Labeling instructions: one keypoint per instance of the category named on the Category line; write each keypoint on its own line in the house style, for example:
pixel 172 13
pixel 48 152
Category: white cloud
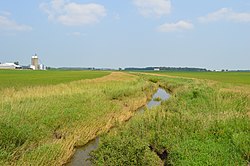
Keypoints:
pixel 5 13
pixel 225 14
pixel 73 14
pixel 179 26
pixel 10 25
pixel 156 8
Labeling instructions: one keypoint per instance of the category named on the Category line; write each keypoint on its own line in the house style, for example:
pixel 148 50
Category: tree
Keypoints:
pixel 16 63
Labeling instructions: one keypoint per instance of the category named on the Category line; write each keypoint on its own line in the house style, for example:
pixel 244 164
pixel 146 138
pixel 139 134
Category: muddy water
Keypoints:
pixel 162 94
pixel 81 156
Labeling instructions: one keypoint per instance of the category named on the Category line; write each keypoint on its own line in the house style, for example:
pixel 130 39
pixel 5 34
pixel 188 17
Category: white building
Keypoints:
pixel 42 67
pixel 9 66
pixel 32 67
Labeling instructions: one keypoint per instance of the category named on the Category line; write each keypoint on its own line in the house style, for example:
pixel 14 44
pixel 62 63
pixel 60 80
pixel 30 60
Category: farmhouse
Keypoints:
pixel 9 66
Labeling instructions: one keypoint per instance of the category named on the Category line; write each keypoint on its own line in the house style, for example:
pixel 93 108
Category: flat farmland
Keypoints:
pixel 226 77
pixel 45 114
pixel 23 78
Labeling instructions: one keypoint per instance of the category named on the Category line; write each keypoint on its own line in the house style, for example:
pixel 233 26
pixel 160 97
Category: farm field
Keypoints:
pixel 125 83
pixel 40 125
pixel 24 78
pixel 226 77
pixel 203 123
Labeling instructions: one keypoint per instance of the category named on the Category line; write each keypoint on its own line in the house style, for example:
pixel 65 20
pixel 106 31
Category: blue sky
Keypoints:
pixel 214 34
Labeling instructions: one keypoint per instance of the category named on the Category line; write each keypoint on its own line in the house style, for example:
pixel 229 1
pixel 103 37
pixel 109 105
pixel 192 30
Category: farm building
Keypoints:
pixel 9 66
pixel 35 64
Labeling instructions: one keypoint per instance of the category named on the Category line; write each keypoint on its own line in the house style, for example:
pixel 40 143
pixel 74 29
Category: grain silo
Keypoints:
pixel 34 62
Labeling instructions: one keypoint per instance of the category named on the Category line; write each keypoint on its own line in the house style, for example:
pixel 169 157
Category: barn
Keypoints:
pixel 9 66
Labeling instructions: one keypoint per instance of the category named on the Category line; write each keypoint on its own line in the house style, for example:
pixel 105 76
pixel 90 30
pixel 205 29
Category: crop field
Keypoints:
pixel 40 125
pixel 226 77
pixel 24 78
pixel 204 122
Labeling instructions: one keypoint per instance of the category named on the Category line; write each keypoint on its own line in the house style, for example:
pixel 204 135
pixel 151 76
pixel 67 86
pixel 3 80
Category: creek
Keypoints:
pixel 82 154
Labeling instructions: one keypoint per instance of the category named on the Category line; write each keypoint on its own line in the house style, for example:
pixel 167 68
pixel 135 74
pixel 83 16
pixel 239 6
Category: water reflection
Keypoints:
pixel 81 156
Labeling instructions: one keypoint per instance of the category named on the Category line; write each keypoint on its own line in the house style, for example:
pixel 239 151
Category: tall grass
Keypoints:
pixel 40 125
pixel 201 124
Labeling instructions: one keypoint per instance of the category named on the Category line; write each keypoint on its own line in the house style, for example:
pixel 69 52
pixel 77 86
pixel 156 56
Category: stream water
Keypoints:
pixel 81 156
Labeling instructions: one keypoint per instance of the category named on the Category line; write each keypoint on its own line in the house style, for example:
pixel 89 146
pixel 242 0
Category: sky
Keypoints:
pixel 212 34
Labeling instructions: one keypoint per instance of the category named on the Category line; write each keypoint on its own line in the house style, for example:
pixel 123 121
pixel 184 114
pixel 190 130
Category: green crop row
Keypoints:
pixel 27 78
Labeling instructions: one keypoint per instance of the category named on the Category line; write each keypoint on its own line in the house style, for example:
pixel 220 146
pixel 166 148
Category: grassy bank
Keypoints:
pixel 40 125
pixel 203 123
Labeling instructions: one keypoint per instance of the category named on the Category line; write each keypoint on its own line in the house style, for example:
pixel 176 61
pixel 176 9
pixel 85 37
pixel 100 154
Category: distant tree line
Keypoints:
pixel 74 68
pixel 168 69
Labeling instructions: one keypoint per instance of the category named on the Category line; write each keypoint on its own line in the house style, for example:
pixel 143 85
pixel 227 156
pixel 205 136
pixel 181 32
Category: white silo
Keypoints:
pixel 34 62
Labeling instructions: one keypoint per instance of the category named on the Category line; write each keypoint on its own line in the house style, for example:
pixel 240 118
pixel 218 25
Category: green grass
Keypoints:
pixel 199 125
pixel 225 77
pixel 26 78
pixel 203 123
pixel 40 125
